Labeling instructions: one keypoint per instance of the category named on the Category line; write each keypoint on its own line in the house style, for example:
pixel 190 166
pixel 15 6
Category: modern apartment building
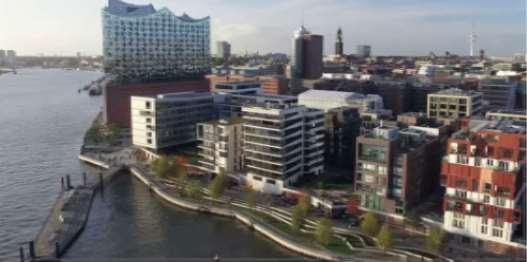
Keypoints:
pixel 342 121
pixel 452 104
pixel 281 143
pixel 140 42
pixel 484 176
pixel 396 168
pixel 500 93
pixel 169 119
pixel 220 145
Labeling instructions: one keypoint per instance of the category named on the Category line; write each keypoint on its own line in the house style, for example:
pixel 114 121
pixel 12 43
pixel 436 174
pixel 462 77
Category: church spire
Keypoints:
pixel 339 45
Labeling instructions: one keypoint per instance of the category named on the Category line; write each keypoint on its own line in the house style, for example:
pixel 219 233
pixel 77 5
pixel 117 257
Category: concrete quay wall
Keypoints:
pixel 263 229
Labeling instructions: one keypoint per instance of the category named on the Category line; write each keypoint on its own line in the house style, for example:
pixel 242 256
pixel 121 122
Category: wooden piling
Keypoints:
pixel 32 249
pixel 57 250
pixel 68 182
pixel 21 252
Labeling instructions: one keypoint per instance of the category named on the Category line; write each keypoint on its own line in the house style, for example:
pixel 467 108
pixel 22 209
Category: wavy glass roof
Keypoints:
pixel 121 8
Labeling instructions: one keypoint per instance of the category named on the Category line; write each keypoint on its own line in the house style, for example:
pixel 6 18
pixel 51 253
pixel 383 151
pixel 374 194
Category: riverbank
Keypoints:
pixel 226 212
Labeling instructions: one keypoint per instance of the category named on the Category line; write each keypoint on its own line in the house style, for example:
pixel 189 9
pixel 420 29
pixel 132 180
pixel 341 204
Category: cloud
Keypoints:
pixel 391 26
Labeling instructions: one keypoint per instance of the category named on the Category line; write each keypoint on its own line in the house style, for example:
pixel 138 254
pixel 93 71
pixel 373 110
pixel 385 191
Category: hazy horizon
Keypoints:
pixel 391 27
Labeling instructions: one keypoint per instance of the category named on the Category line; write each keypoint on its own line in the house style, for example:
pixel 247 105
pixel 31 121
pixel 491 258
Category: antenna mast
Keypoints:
pixel 472 39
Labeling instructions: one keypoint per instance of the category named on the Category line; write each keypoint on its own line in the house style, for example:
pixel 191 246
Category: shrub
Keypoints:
pixel 297 218
pixel 385 238
pixel 324 231
pixel 434 240
pixel 370 224
pixel 217 185
pixel 160 166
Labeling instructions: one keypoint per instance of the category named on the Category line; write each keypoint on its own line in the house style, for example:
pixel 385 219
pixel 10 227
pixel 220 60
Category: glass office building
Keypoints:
pixel 140 42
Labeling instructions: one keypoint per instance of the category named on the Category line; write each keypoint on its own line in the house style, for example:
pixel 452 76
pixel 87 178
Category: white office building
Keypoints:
pixel 169 119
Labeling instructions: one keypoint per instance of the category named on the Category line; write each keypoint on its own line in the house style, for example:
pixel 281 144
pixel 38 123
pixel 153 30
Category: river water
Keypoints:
pixel 42 122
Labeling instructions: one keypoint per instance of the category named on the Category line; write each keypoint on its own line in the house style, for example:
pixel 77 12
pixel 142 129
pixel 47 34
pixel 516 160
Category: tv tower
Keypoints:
pixel 472 39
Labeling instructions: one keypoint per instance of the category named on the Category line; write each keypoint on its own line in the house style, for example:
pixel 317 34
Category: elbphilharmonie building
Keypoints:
pixel 140 42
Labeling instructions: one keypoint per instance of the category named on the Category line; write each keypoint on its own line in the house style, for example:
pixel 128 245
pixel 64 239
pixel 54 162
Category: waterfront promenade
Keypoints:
pixel 240 211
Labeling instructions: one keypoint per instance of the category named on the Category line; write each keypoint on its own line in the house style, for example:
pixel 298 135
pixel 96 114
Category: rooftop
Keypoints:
pixel 121 8
pixel 511 112
pixel 182 95
pixel 226 121
pixel 503 126
pixel 457 92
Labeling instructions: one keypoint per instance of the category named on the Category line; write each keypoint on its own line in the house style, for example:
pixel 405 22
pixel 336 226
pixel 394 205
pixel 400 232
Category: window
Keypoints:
pixel 486 199
pixel 500 201
pixel 461 194
pixel 459 220
pixel 488 187
pixel 149 141
pixel 149 120
pixel 270 181
pixel 257 178
pixel 147 105
pixel 484 226
pixel 503 165
pixel 490 162
pixel 149 134
pixel 496 232
pixel 369 179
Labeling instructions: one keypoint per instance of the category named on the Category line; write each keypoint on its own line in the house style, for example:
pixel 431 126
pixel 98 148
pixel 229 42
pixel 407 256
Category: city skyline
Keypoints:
pixel 54 29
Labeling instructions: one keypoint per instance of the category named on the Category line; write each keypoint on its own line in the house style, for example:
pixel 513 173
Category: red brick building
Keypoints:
pixel 484 176
pixel 274 84
pixel 116 105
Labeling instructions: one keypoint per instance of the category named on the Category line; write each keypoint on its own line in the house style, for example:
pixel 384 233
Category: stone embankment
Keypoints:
pixel 257 226
pixel 365 254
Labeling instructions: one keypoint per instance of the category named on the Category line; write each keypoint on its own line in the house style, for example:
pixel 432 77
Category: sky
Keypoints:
pixel 391 27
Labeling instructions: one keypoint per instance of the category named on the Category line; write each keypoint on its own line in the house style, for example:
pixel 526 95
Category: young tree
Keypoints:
pixel 297 218
pixel 193 190
pixel 160 166
pixel 217 185
pixel 434 240
pixel 250 196
pixel 385 237
pixel 304 202
pixel 324 231
pixel 370 224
